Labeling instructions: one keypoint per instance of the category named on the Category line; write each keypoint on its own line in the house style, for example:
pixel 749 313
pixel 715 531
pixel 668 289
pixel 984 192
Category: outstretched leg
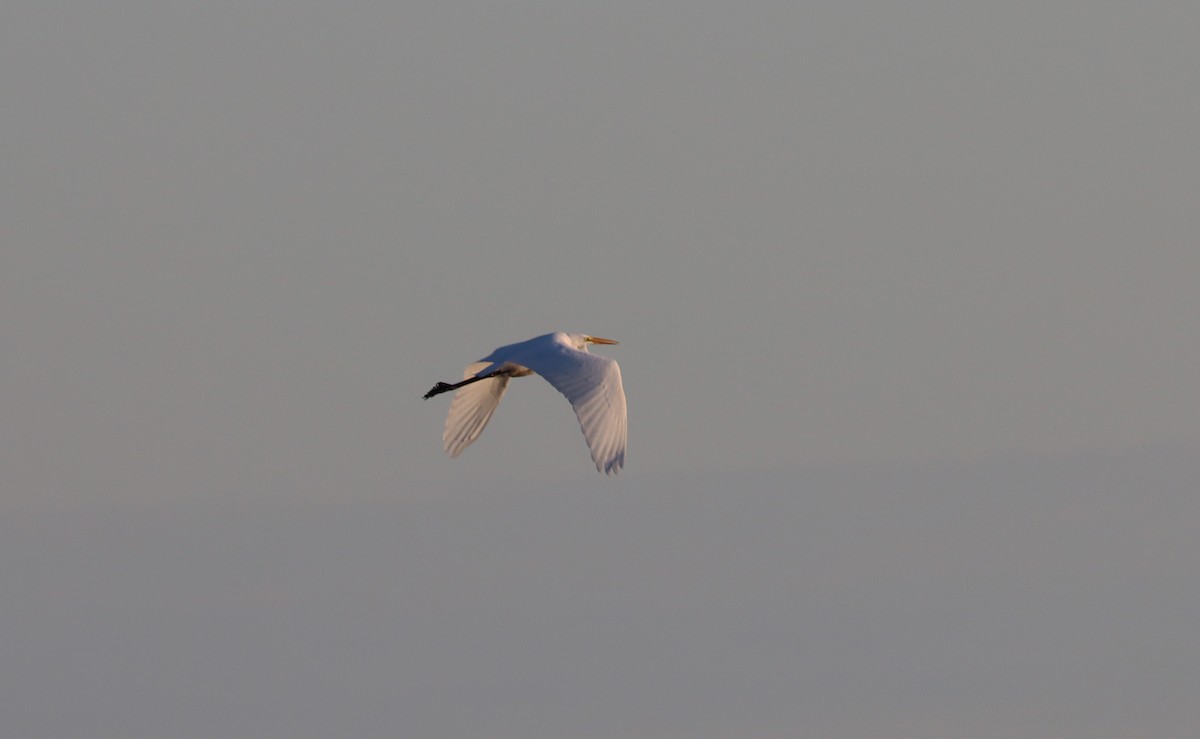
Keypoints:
pixel 445 387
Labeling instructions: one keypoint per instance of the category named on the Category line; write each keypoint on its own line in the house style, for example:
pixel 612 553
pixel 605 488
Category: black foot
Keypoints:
pixel 438 389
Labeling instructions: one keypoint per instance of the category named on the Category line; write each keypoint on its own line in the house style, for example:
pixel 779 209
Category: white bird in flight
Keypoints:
pixel 592 383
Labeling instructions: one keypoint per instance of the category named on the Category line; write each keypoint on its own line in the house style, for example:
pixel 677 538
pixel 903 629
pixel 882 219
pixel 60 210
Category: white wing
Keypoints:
pixel 471 409
pixel 593 385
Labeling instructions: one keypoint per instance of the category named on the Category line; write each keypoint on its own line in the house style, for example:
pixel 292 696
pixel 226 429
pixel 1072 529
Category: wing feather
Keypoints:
pixel 471 409
pixel 592 384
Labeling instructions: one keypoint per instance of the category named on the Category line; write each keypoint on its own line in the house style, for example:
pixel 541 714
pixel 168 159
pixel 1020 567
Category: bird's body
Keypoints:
pixel 592 383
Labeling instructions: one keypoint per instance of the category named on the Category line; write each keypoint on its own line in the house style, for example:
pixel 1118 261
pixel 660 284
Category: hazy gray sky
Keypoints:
pixel 907 301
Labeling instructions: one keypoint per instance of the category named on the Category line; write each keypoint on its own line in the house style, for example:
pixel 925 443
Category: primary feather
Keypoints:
pixel 471 409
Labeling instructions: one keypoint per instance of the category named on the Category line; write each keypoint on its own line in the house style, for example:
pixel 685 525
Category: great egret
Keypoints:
pixel 592 384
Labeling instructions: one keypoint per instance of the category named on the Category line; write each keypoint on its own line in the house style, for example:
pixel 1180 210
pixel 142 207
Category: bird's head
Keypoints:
pixel 582 340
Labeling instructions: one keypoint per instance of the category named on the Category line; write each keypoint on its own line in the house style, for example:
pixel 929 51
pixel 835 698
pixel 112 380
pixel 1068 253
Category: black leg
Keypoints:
pixel 444 387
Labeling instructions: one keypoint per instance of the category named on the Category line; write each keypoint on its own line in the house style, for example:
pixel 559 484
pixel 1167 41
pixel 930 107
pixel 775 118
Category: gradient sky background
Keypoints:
pixel 907 296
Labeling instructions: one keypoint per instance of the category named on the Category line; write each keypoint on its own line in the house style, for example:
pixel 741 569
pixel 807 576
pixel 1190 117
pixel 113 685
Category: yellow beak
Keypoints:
pixel 598 340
